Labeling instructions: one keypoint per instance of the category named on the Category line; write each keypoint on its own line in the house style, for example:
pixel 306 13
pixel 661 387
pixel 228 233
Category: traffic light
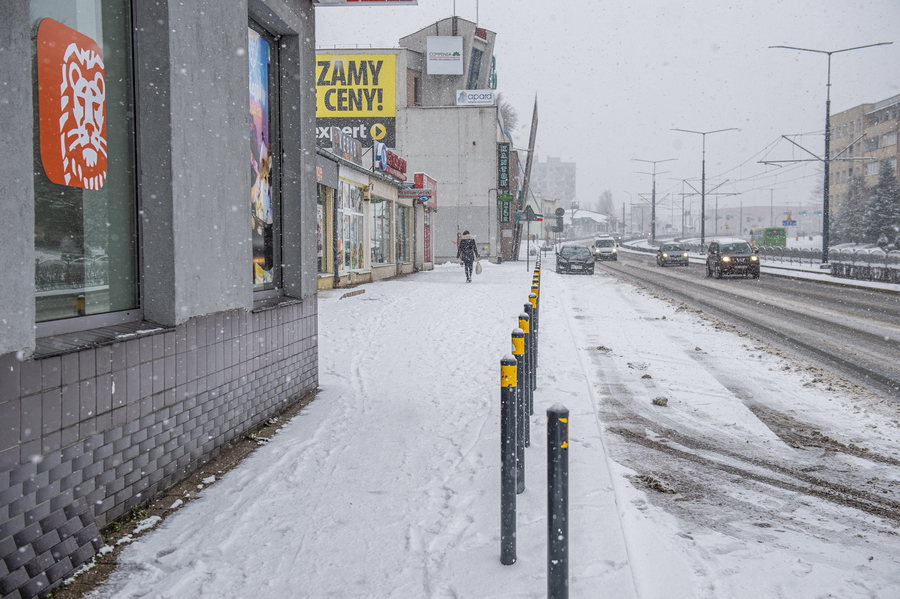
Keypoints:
pixel 559 219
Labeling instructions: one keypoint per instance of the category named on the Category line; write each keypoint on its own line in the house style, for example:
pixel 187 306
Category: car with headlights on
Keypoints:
pixel 605 248
pixel 672 253
pixel 731 257
pixel 574 259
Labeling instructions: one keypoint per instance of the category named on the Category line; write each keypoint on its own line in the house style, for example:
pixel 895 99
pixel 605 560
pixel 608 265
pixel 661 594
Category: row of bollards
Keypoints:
pixel 518 381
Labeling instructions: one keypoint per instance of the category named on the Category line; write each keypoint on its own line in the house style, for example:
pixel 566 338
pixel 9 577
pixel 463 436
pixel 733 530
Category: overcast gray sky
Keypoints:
pixel 614 77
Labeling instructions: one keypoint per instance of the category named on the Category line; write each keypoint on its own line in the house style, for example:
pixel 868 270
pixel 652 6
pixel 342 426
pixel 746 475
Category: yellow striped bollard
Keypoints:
pixel 508 460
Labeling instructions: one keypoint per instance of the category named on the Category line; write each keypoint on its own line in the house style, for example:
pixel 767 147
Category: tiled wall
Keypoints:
pixel 86 436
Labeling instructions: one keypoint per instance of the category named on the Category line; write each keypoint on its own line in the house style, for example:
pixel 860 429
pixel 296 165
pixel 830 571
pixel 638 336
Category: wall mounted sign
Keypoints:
pixel 72 106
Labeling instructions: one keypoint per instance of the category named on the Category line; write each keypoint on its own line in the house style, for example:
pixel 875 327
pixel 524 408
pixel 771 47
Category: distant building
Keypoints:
pixel 866 131
pixel 554 179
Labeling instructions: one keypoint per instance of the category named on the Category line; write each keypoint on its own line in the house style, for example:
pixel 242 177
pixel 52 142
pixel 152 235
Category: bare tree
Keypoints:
pixel 605 205
pixel 508 113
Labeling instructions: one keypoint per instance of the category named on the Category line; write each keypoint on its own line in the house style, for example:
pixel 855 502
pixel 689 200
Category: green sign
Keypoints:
pixel 504 211
pixel 503 166
pixel 505 197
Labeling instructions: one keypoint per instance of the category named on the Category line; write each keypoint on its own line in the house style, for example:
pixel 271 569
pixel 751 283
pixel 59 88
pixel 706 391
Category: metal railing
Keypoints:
pixel 52 275
pixel 864 264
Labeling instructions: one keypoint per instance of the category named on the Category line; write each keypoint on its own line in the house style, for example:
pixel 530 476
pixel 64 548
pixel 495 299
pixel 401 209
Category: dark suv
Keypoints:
pixel 731 257
pixel 574 258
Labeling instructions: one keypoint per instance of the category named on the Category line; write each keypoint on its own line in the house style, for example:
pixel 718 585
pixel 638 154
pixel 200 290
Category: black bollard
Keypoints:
pixel 518 344
pixel 527 392
pixel 536 304
pixel 508 460
pixel 529 359
pixel 558 502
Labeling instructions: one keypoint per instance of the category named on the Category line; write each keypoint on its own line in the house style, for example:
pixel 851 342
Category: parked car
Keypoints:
pixel 672 253
pixel 574 258
pixel 726 257
pixel 605 248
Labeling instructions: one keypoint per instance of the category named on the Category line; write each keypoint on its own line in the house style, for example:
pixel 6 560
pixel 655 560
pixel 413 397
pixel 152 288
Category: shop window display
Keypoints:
pixel 403 234
pixel 350 242
pixel 85 241
pixel 381 232
pixel 264 205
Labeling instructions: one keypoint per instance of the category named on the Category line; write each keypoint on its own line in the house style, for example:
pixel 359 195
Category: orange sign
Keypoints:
pixel 72 106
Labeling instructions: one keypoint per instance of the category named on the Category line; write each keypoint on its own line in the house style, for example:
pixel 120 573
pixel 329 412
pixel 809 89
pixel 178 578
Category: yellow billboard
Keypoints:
pixel 356 85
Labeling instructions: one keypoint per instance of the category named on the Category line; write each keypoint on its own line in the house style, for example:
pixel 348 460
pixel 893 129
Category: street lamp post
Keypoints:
pixel 827 158
pixel 703 181
pixel 653 196
pixel 624 224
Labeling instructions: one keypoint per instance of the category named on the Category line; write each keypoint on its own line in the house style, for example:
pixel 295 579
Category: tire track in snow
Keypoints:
pixel 700 449
pixel 566 308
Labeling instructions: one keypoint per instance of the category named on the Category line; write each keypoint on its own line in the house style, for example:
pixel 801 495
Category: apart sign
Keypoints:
pixel 476 97
pixel 444 55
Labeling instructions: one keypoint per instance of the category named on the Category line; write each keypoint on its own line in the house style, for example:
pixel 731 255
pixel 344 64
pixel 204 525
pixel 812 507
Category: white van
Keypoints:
pixel 605 248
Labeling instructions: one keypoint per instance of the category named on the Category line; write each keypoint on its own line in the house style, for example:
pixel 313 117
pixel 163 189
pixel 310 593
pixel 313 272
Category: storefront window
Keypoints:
pixel 426 235
pixel 264 166
pixel 84 161
pixel 403 234
pixel 381 231
pixel 350 243
pixel 321 222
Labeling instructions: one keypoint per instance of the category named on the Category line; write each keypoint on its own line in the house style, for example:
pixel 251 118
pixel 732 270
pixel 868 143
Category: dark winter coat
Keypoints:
pixel 467 251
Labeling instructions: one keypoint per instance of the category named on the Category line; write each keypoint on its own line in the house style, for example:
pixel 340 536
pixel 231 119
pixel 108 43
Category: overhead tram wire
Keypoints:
pixel 778 174
pixel 769 178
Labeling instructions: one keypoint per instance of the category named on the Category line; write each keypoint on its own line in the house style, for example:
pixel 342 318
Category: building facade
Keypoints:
pixel 157 288
pixel 429 117
pixel 863 140
pixel 459 137
pixel 376 231
pixel 367 227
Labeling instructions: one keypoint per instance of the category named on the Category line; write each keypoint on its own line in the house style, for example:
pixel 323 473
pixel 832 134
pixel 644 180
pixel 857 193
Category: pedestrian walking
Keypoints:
pixel 467 253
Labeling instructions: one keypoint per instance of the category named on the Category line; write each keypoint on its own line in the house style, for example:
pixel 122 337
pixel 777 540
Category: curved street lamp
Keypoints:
pixel 653 197
pixel 827 158
pixel 703 181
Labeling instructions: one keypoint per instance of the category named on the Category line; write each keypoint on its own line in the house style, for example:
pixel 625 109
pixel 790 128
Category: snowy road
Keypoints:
pixel 761 477
pixel 752 445
pixel 854 331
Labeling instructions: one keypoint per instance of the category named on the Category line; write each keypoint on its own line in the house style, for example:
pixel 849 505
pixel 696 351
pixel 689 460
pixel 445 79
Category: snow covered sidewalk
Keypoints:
pixel 388 484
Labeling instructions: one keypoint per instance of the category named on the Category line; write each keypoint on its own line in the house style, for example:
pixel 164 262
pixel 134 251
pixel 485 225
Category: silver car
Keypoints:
pixel 672 253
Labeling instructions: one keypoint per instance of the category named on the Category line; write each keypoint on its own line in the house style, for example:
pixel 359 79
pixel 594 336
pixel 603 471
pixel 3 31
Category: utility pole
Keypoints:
pixel 827 157
pixel 703 182
pixel 653 195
